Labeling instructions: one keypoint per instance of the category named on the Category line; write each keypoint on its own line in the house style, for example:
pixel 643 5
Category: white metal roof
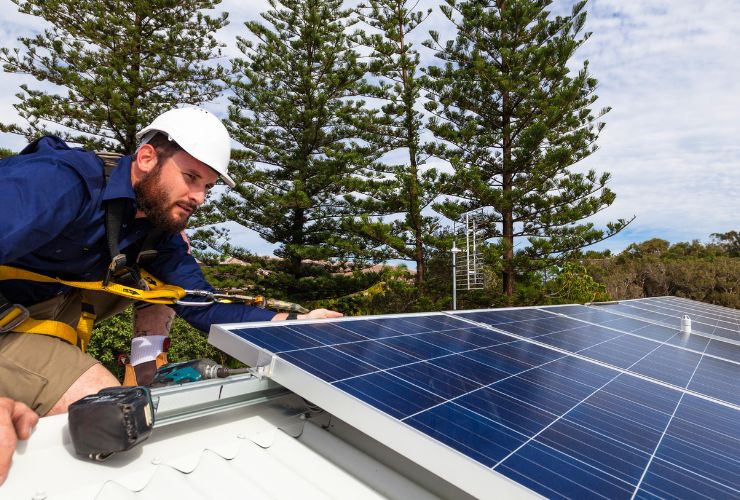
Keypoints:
pixel 238 438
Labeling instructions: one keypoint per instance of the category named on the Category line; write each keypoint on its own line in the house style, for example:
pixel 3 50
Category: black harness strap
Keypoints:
pixel 119 270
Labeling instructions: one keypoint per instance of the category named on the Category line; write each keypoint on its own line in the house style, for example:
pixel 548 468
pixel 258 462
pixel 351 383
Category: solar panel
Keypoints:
pixel 563 401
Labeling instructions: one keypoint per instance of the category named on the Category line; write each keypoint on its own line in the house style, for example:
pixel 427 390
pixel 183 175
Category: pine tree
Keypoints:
pixel 296 113
pixel 514 120
pixel 118 64
pixel 404 189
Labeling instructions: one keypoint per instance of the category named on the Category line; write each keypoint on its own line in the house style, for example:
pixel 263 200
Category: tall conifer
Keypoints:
pixel 405 189
pixel 296 113
pixel 117 64
pixel 514 119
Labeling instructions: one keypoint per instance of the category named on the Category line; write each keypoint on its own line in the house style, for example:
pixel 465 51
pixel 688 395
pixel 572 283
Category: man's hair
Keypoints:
pixel 164 147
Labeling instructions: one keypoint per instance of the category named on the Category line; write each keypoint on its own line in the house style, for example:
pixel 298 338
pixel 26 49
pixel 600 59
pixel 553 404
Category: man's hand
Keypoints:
pixel 315 314
pixel 320 313
pixel 16 422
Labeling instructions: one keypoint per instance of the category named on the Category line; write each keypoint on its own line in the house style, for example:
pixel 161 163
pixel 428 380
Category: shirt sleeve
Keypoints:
pixel 38 199
pixel 175 266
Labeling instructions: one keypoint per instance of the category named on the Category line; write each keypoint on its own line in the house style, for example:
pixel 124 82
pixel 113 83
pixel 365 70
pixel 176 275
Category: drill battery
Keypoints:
pixel 113 420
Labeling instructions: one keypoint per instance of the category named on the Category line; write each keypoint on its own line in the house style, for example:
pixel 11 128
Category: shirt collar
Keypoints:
pixel 119 182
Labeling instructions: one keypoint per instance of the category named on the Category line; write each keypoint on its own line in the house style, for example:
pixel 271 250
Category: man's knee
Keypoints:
pixel 90 382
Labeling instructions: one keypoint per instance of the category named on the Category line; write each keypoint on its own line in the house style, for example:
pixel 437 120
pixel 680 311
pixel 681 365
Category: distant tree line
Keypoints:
pixel 704 272
pixel 338 121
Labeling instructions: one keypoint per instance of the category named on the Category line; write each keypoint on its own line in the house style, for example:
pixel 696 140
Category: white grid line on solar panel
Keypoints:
pixel 578 355
pixel 634 315
pixel 721 311
pixel 697 326
pixel 728 315
pixel 652 456
pixel 677 310
pixel 635 333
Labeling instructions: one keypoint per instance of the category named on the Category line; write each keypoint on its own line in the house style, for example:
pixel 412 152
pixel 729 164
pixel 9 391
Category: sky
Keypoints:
pixel 670 71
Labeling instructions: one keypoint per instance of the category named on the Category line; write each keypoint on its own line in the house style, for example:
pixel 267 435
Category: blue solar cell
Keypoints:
pixel 704 437
pixel 497 361
pixel 636 390
pixel 608 416
pixel 378 355
pixel 436 322
pixel 629 324
pixel 389 394
pixel 528 329
pixel 668 364
pixel 545 390
pixel 451 424
pixel 276 339
pixel 555 474
pixel 507 411
pixel 507 316
pixel 665 480
pixel 688 341
pixel 327 363
pixel 717 378
pixel 525 352
pixel 435 379
pixel 724 350
pixel 578 339
pixel 328 334
pixel 452 341
pixel 656 332
pixel 415 347
pixel 402 326
pixel 477 337
pixel 583 372
pixel 622 351
pixel 594 449
pixel 369 329
pixel 466 367
pixel 421 324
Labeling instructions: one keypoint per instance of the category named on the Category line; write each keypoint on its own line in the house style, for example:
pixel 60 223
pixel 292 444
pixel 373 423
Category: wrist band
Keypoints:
pixel 292 315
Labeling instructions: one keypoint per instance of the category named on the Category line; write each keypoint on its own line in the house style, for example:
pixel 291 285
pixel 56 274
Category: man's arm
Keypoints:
pixel 16 422
pixel 175 266
pixel 38 199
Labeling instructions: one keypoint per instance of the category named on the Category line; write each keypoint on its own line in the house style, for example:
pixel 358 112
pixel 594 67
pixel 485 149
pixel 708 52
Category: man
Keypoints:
pixel 53 203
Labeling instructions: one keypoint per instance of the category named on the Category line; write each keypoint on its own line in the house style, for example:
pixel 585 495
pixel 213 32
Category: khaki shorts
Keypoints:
pixel 38 369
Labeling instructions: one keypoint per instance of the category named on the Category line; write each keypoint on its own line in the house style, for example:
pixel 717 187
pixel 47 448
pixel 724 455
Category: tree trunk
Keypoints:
pixel 506 211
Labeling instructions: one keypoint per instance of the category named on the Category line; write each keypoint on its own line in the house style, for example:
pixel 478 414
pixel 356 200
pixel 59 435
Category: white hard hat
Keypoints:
pixel 199 133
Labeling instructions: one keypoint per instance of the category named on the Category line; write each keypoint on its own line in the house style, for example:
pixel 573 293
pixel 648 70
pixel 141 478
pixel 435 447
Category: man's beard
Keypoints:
pixel 152 198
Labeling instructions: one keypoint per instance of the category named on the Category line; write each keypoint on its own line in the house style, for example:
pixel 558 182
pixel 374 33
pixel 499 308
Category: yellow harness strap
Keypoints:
pixel 158 293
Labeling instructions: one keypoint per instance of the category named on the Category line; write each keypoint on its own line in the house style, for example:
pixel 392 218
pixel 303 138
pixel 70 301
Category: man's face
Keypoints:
pixel 171 192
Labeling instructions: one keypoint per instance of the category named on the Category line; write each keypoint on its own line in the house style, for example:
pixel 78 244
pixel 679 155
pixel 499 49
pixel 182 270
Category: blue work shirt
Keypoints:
pixel 52 221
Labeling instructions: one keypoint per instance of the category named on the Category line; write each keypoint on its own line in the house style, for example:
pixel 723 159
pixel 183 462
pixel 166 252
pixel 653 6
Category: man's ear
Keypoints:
pixel 146 158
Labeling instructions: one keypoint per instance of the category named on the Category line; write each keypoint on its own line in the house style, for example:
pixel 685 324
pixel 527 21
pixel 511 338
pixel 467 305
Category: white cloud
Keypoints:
pixel 668 68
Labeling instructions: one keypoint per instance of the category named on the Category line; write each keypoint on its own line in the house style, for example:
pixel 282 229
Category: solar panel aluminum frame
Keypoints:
pixel 450 465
